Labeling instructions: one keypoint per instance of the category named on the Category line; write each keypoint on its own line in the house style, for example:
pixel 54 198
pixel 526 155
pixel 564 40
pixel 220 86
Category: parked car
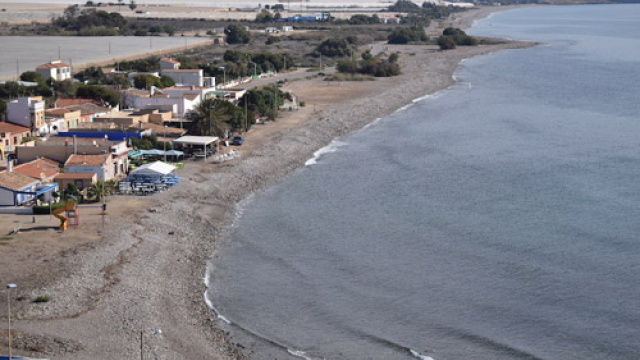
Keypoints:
pixel 237 140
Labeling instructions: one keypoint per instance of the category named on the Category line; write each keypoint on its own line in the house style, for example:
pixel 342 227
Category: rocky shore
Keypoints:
pixel 147 271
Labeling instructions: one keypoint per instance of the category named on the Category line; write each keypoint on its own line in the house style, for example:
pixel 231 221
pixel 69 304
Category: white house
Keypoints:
pixel 27 112
pixel 17 189
pixel 179 105
pixel 287 28
pixel 185 77
pixel 56 70
pixel 169 64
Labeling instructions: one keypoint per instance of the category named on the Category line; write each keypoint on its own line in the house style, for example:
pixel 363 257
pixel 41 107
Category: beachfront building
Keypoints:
pixel 27 112
pixel 154 99
pixel 55 70
pixel 80 180
pixel 17 189
pixel 60 148
pixel 105 166
pixel 11 136
pixel 42 169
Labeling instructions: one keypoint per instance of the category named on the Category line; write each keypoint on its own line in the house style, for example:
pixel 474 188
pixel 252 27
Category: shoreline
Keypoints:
pixel 149 269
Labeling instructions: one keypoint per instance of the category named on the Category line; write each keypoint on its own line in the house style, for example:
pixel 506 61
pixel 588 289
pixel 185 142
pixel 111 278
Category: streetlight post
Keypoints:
pixel 165 143
pixel 9 287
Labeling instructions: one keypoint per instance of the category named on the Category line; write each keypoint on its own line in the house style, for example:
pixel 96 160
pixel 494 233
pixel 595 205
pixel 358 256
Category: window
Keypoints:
pixel 15 140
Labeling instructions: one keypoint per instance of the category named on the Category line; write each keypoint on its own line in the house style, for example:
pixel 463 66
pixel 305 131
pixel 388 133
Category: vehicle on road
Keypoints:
pixel 237 140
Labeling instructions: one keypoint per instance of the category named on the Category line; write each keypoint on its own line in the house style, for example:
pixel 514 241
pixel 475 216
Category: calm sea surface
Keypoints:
pixel 25 53
pixel 500 222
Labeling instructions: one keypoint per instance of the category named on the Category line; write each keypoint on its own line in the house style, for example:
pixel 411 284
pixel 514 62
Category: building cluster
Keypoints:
pixel 80 141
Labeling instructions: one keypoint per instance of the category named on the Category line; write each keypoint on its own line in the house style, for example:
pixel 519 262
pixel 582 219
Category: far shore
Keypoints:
pixel 145 270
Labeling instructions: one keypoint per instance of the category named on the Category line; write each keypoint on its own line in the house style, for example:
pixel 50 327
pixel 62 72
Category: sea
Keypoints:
pixel 497 219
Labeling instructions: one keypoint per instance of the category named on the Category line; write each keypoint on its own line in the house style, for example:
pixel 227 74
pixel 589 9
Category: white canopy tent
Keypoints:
pixel 157 168
pixel 204 141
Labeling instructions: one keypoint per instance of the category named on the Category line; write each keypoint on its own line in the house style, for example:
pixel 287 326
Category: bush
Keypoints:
pixel 302 104
pixel 446 42
pixel 44 209
pixel 334 47
pixel 42 299
pixel 237 34
pixel 404 35
pixel 460 37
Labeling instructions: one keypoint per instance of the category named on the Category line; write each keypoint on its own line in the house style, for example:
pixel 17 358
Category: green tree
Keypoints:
pixel 264 16
pixel 237 34
pixel 459 37
pixel 3 110
pixel 132 5
pixel 145 81
pixel 32 76
pixel 347 66
pixel 446 43
pixel 404 35
pixel 209 117
pixel 166 81
pixel 334 47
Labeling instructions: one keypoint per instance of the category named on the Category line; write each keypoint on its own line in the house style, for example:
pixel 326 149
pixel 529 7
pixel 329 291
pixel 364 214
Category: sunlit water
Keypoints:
pixel 498 220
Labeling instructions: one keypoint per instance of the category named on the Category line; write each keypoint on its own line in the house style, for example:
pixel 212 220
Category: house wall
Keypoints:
pixel 9 140
pixel 191 78
pixel 27 112
pixel 101 171
pixel 6 197
pixel 81 184
pixel 58 153
pixel 168 66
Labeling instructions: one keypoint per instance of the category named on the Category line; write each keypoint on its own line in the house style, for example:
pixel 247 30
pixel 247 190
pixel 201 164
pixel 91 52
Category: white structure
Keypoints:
pixel 179 105
pixel 185 77
pixel 56 70
pixel 157 168
pixel 17 189
pixel 27 112
pixel 169 64
pixel 287 28
pixel 178 91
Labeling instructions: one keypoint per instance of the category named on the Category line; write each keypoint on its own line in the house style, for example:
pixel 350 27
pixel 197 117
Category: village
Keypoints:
pixel 53 160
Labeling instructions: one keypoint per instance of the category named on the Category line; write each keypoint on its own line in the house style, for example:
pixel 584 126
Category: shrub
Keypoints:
pixel 302 104
pixel 42 299
pixel 446 42
pixel 404 35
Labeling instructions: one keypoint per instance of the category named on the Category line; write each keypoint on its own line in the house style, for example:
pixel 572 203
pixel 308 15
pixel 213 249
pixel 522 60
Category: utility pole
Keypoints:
pixel 246 114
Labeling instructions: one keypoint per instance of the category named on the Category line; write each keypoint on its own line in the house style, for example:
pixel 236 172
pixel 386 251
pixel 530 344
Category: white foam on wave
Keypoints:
pixel 332 147
pixel 372 123
pixel 299 353
pixel 208 301
pixel 420 356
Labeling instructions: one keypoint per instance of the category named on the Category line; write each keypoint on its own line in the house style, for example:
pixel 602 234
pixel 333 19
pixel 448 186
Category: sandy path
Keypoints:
pixel 147 270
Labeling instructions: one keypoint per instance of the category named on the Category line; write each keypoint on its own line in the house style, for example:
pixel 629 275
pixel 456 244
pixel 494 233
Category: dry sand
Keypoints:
pixel 146 270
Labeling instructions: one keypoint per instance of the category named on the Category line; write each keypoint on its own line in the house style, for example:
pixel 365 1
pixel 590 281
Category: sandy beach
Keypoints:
pixel 111 287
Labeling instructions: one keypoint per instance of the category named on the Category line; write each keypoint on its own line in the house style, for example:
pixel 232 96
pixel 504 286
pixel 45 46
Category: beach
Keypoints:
pixel 113 287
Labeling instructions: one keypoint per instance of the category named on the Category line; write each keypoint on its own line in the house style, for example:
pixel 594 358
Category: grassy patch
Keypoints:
pixel 42 299
pixel 350 77
pixel 6 238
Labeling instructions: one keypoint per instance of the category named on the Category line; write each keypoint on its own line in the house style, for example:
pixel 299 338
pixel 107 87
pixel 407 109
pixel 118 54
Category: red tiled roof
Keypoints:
pixel 171 61
pixel 38 169
pixel 86 160
pixel 64 102
pixel 74 176
pixel 15 181
pixel 52 66
pixel 56 112
pixel 12 128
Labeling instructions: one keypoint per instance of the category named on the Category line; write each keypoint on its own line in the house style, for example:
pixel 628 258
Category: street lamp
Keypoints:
pixel 9 287
pixel 254 69
pixel 165 143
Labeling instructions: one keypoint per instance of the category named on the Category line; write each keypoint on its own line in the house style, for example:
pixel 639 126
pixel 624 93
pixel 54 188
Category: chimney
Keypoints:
pixel 75 145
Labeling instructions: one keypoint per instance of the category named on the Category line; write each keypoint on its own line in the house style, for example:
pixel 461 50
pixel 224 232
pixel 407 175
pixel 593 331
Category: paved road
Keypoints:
pixel 297 74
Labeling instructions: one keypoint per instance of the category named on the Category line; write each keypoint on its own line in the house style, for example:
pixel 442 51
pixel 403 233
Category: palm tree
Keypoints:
pixel 209 117
pixel 100 189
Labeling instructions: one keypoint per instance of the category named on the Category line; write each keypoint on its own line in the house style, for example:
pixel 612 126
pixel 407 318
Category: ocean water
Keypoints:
pixel 497 220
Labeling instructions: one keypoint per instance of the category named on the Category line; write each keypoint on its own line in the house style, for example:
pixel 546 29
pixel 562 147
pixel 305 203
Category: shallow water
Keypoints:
pixel 501 222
